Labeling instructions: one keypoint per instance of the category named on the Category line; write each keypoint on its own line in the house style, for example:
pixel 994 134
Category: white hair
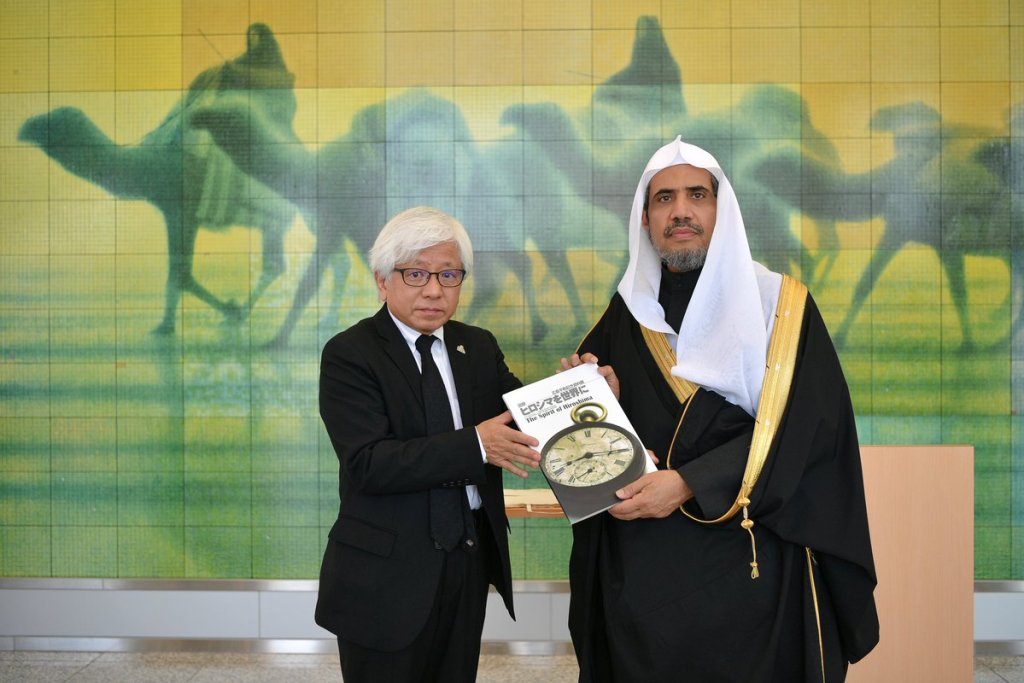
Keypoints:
pixel 413 230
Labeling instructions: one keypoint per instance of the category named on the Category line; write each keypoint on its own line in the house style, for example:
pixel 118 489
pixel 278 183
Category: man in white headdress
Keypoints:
pixel 746 556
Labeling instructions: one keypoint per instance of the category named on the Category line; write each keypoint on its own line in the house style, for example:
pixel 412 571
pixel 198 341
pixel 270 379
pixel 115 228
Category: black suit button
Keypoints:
pixel 437 546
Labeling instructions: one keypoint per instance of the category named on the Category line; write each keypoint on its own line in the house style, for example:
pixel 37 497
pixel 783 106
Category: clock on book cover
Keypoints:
pixel 591 459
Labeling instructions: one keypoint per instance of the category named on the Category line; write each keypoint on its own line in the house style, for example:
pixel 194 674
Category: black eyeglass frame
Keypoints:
pixel 437 274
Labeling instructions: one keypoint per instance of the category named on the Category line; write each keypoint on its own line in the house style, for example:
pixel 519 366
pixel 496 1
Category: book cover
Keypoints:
pixel 588 447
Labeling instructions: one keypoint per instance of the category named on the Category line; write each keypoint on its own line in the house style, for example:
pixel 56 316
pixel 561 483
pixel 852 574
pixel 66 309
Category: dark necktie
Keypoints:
pixel 446 514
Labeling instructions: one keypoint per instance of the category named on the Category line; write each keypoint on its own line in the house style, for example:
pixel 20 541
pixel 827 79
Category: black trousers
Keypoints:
pixel 448 648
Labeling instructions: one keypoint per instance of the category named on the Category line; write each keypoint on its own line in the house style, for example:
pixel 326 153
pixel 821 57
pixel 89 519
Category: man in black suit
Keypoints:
pixel 422 530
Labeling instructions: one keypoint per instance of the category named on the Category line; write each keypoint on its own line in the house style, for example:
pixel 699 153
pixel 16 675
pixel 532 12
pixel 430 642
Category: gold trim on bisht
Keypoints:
pixel 778 380
pixel 817 610
pixel 665 357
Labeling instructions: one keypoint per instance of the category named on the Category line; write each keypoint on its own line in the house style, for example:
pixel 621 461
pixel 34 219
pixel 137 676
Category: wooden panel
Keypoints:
pixel 532 503
pixel 921 510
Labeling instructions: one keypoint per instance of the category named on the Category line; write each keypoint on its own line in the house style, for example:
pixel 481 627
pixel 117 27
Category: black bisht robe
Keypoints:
pixel 673 599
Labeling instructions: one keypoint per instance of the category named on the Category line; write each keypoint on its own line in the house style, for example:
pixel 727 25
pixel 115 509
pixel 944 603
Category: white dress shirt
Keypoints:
pixel 444 366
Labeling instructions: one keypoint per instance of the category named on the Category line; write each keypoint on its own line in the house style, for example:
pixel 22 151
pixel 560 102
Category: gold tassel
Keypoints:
pixel 748 524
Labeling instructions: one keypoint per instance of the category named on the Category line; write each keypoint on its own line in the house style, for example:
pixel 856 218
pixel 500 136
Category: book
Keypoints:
pixel 589 449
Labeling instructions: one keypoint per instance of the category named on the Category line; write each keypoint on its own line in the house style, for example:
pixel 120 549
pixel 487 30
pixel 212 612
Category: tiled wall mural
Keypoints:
pixel 189 190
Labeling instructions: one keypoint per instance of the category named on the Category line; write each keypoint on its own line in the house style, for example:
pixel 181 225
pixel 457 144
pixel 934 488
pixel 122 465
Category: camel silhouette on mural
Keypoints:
pixel 629 106
pixel 411 149
pixel 933 192
pixel 1004 158
pixel 416 148
pixel 602 156
pixel 605 172
pixel 188 179
pixel 598 151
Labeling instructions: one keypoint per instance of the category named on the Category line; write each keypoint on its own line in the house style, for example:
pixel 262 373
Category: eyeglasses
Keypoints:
pixel 417 277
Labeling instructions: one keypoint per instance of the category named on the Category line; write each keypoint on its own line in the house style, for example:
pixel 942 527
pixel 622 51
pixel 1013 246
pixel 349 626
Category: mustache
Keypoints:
pixel 684 223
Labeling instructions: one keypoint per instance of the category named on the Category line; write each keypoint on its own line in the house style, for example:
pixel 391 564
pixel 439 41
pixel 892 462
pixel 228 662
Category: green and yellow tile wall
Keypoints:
pixel 197 452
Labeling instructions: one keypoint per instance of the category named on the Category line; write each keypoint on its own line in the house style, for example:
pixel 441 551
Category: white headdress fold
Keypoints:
pixel 723 341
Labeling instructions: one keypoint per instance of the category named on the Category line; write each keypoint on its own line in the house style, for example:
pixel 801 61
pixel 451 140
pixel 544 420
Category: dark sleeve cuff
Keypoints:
pixel 715 476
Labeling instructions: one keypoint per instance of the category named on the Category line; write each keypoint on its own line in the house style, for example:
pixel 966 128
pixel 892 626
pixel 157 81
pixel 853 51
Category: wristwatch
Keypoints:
pixel 591 459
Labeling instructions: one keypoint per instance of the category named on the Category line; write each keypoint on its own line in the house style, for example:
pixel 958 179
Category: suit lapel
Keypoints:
pixel 458 357
pixel 397 349
pixel 395 346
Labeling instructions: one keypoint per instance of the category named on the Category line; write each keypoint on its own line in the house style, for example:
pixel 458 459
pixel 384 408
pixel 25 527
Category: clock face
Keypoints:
pixel 588 455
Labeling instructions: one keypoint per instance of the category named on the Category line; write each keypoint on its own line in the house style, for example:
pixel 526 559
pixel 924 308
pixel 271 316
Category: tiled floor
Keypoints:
pixel 996 669
pixel 119 667
pixel 194 667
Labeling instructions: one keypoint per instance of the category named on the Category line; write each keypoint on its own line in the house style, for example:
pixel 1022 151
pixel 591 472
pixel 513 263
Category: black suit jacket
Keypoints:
pixel 380 571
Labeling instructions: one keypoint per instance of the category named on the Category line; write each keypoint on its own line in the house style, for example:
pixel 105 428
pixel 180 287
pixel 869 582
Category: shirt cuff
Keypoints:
pixel 480 441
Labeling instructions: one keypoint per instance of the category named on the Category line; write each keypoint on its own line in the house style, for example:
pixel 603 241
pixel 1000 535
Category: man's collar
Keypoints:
pixel 409 334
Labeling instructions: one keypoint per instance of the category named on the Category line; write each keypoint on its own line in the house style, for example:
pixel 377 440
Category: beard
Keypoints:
pixel 682 260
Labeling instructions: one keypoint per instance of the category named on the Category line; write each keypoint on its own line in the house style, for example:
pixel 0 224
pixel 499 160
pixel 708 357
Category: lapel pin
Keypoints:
pixel 460 348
